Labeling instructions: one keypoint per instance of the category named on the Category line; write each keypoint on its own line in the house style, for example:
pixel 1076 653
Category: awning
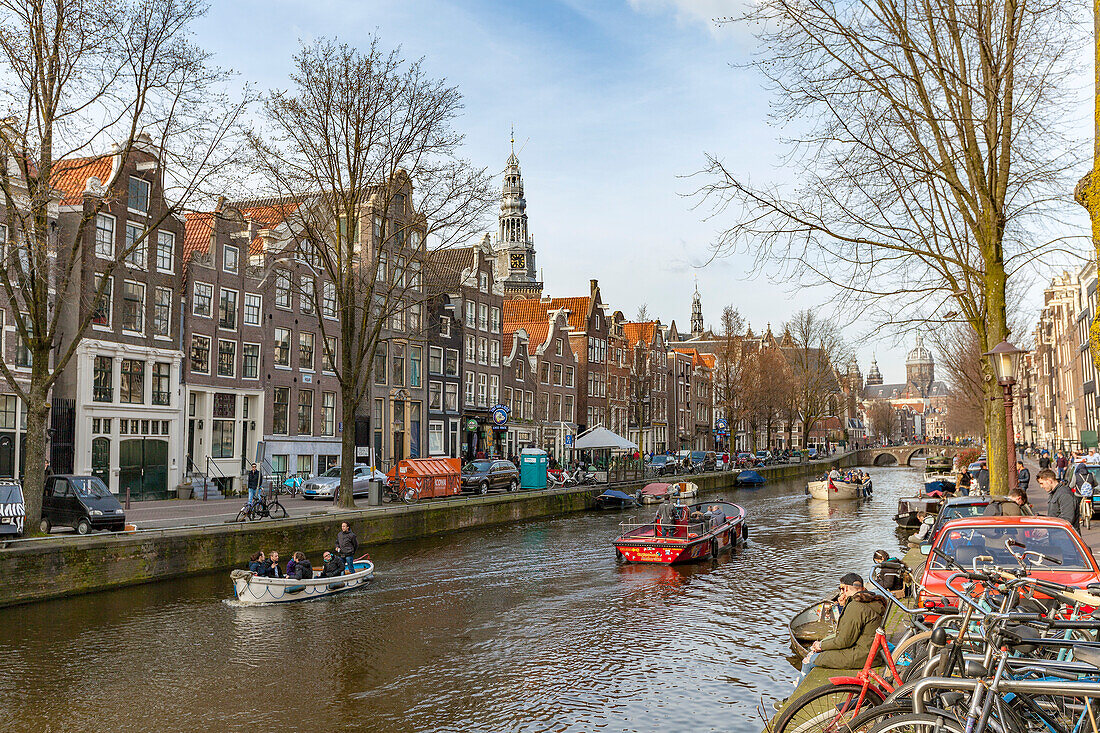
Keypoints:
pixel 598 438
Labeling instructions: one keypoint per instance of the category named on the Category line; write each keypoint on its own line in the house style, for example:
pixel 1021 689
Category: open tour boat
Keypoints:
pixel 688 538
pixel 253 590
pixel 833 490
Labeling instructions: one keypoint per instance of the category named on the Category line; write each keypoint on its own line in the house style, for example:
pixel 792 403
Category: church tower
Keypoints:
pixel 920 370
pixel 515 248
pixel 874 376
pixel 696 313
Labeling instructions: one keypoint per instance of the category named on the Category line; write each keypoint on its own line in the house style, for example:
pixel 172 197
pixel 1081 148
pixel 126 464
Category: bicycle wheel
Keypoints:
pixel 410 495
pixel 826 709
pixel 277 510
pixel 910 651
pixel 919 723
pixel 242 515
pixel 868 719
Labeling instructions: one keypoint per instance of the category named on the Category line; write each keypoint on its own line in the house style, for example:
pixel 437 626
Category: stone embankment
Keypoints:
pixel 39 569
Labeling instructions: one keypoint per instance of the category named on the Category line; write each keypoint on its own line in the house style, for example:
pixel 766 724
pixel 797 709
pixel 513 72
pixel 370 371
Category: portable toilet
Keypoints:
pixel 532 468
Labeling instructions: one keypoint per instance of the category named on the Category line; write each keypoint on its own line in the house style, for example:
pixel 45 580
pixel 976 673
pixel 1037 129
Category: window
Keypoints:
pixel 138 198
pixel 482 349
pixel 557 375
pixel 230 258
pixel 469 388
pixel 519 369
pixel 305 465
pixel 328 359
pixel 22 355
pixel 557 347
pixel 307 294
pixel 250 369
pixel 328 301
pixel 377 228
pixel 450 366
pixel 435 439
pixel 397 368
pixel 279 463
pixel 282 290
pixel 253 306
pixel 445 327
pixel 494 389
pixel 162 312
pixel 471 314
pixel 280 413
pixel 221 439
pixel 414 271
pixel 435 360
pixel 544 372
pixel 483 282
pixel 435 395
pixel 305 351
pixel 166 250
pixel 305 412
pixel 325 462
pixel 102 315
pixel 555 408
pixel 200 354
pixel 227 358
pixel 414 318
pixel 482 388
pixel 103 377
pixel 567 409
pixel 529 404
pixel 415 356
pixel 282 347
pixel 380 364
pixel 133 307
pixel 135 246
pixel 450 397
pixel 132 386
pixel 227 309
pixel 569 376
pixel 495 323
pixel 204 297
pixel 471 349
pixel 328 413
pixel 105 236
pixel 494 353
pixel 483 317
pixel 162 380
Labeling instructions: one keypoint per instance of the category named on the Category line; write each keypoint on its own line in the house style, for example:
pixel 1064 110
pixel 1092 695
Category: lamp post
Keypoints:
pixel 1004 358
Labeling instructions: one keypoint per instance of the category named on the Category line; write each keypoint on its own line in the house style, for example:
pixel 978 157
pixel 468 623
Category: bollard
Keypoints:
pixel 127 497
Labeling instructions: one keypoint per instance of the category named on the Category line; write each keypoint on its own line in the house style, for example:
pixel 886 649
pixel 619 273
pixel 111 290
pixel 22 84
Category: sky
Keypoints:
pixel 614 104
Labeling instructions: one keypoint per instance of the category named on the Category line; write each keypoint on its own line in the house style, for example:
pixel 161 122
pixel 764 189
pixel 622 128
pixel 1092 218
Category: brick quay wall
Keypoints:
pixel 39 569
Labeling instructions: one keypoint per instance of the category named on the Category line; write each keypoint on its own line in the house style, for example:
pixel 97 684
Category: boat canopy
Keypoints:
pixel 750 477
pixel 616 494
pixel 602 438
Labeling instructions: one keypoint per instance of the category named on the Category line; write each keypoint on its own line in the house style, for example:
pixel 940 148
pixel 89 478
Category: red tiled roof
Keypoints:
pixel 578 310
pixel 196 234
pixel 639 332
pixel 530 315
pixel 269 213
pixel 71 176
pixel 709 360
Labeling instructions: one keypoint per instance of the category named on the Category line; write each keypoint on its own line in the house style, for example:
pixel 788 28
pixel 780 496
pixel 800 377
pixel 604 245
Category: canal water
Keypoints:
pixel 525 627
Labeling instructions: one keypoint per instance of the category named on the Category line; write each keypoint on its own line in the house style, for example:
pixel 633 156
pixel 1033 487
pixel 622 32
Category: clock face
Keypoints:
pixel 519 262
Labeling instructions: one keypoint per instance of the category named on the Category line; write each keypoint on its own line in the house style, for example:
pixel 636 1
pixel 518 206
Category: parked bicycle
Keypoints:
pixel 293 485
pixel 266 507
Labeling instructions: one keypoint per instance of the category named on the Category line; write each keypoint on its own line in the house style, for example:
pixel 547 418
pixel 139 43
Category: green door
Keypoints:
pixel 129 468
pixel 155 469
pixel 143 467
pixel 101 459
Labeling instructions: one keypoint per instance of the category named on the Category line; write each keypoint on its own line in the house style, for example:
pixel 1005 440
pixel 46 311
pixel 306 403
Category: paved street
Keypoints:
pixel 1038 499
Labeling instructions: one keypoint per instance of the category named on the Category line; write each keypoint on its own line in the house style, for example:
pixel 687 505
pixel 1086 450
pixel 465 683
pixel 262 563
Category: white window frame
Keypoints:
pixel 114 232
pixel 217 370
pixel 436 426
pixel 171 240
pixel 156 303
pixel 209 353
pixel 141 310
pixel 110 295
pixel 236 258
pixel 136 258
pixel 289 347
pixel 259 351
pixel 258 301
pixel 148 195
pixel 236 308
pixel 209 300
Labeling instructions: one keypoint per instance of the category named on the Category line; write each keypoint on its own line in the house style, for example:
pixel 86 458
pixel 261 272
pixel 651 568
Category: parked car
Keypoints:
pixel 12 508
pixel 662 465
pixel 745 460
pixel 961 507
pixel 703 461
pixel 325 485
pixel 81 502
pixel 966 539
pixel 812 454
pixel 481 475
pixel 763 457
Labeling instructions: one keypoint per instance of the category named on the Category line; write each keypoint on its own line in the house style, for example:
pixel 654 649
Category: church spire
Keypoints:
pixel 696 312
pixel 515 248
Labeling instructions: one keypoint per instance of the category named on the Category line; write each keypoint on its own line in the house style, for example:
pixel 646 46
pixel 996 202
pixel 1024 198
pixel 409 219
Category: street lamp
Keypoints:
pixel 1005 359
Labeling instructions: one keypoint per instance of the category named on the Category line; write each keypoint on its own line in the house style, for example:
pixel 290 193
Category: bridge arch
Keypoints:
pixel 886 459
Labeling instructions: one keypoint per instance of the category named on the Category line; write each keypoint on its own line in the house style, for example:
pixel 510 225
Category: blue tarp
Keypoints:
pixel 749 477
pixel 615 494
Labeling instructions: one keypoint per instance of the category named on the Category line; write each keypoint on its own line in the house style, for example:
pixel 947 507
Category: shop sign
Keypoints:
pixel 471 425
pixel 499 415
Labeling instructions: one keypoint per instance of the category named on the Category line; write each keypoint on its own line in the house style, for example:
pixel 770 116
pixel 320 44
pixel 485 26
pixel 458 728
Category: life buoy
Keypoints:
pixel 744 532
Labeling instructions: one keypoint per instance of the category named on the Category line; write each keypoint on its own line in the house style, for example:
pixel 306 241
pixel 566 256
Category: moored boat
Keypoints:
pixel 615 499
pixel 938 475
pixel 683 490
pixel 691 537
pixel 255 590
pixel 748 478
pixel 653 493
pixel 909 509
pixel 835 490
pixel 812 624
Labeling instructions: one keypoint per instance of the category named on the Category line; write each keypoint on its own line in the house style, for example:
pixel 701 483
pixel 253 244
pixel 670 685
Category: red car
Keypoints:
pixel 972 537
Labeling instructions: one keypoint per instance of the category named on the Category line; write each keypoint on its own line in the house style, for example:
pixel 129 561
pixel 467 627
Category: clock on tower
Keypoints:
pixel 518 261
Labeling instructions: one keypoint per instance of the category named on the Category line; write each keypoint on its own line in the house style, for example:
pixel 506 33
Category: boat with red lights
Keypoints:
pixel 692 532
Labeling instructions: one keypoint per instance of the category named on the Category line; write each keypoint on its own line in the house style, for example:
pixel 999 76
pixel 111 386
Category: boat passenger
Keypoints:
pixel 347 544
pixel 273 565
pixel 334 566
pixel 664 519
pixel 290 567
pixel 302 568
pixel 849 645
pixel 715 515
pixel 256 563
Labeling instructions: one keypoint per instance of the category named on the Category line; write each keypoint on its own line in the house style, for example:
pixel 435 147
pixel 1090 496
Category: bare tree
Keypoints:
pixel 818 345
pixel 643 314
pixel 930 136
pixel 960 358
pixel 363 155
pixel 75 77
pixel 729 353
pixel 880 414
pixel 774 388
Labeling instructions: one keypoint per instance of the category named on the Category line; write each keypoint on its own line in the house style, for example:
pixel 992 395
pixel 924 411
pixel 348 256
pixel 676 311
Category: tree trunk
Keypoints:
pixel 34 469
pixel 347 453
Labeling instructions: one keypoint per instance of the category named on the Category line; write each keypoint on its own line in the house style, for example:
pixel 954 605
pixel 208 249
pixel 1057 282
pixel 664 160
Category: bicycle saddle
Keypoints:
pixel 1087 654
pixel 1017 637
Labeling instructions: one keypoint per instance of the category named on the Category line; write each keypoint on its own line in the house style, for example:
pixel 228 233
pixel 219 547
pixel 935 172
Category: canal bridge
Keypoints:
pixel 903 455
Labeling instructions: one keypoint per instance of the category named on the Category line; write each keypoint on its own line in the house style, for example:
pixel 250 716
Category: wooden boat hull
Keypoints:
pixel 252 590
pixel 683 490
pixel 807 626
pixel 908 509
pixel 840 490
pixel 648 543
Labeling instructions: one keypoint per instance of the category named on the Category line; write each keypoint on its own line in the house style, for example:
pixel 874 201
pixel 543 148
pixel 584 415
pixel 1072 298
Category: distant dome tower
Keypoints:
pixel 920 369
pixel 515 247
pixel 874 376
pixel 696 313
pixel 855 377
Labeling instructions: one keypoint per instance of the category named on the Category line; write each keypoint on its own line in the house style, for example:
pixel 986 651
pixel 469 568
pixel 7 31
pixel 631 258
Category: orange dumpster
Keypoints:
pixel 434 477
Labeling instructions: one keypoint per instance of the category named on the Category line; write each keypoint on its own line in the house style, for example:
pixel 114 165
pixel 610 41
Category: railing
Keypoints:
pixel 654 529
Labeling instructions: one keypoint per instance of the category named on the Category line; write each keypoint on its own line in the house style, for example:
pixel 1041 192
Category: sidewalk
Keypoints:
pixel 1038 499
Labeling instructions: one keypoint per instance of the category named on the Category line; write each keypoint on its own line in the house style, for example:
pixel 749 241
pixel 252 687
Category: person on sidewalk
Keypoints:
pixel 1023 477
pixel 1060 501
pixel 253 484
pixel 347 544
pixel 983 479
pixel 1061 463
pixel 1044 460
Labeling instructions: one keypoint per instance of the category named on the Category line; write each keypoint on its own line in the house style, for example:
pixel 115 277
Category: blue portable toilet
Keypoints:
pixel 532 468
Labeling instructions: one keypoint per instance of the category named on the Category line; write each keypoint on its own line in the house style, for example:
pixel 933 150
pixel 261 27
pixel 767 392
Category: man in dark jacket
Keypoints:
pixel 1023 477
pixel 253 484
pixel 983 479
pixel 1060 501
pixel 848 647
pixel 303 570
pixel 334 566
pixel 346 546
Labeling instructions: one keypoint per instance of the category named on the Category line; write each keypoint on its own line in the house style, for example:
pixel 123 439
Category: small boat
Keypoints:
pixel 833 490
pixel 938 475
pixel 653 493
pixel 812 624
pixel 683 490
pixel 615 499
pixel 748 478
pixel 254 590
pixel 909 508
pixel 685 540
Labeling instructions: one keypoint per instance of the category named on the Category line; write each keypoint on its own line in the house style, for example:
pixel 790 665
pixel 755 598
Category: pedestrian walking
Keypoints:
pixel 347 544
pixel 1060 501
pixel 1023 477
pixel 253 484
pixel 1061 463
pixel 1044 460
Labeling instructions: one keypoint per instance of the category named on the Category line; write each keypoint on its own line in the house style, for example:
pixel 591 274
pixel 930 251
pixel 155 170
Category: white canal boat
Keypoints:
pixel 832 490
pixel 254 590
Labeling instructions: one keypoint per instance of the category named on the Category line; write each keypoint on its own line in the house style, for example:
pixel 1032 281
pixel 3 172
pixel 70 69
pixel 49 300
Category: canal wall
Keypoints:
pixel 51 567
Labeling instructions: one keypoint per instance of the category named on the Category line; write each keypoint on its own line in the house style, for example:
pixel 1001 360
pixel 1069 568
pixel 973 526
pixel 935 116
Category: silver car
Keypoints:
pixel 325 485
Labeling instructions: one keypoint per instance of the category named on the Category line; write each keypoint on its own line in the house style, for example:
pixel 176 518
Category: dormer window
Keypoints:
pixel 138 197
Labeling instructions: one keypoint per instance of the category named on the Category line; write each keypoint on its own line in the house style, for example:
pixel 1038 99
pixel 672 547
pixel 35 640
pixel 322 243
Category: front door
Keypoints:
pixel 101 459
pixel 143 468
pixel 7 455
